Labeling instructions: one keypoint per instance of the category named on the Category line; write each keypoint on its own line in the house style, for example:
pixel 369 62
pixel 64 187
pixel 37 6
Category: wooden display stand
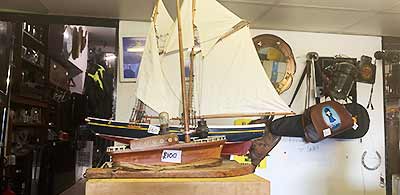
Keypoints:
pixel 225 169
pixel 241 185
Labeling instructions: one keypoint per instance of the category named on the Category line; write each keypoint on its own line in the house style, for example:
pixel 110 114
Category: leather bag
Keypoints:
pixel 325 120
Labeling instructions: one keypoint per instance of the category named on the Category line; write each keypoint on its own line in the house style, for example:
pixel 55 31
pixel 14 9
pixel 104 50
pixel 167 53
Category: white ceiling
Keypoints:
pixel 366 17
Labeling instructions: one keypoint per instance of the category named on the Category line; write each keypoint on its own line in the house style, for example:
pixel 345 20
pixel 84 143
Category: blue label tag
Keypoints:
pixel 331 117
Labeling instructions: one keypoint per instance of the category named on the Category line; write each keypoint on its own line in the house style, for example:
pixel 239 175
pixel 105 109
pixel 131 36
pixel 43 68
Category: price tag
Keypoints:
pixel 173 156
pixel 355 126
pixel 327 132
pixel 153 129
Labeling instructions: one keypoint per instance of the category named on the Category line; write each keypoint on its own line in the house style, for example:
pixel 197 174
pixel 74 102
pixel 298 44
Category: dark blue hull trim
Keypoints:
pixel 127 130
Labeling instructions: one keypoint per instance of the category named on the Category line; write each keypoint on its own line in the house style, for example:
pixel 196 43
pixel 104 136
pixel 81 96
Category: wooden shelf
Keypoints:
pixel 33 42
pixel 33 38
pixel 29 101
pixel 32 64
pixel 19 124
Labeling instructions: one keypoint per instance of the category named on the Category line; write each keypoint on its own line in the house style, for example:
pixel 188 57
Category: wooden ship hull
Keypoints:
pixel 237 137
pixel 230 148
pixel 148 153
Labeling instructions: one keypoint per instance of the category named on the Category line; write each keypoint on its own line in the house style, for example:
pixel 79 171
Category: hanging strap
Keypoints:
pixel 308 85
pixel 372 91
pixel 303 75
pixel 370 98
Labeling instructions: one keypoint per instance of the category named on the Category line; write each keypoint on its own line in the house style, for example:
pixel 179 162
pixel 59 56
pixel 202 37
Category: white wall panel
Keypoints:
pixel 332 166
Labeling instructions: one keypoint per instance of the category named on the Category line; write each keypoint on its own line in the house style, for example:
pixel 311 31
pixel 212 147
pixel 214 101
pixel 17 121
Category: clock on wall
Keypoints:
pixel 67 41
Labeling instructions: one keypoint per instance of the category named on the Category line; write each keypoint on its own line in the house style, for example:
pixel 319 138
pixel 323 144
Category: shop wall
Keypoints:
pixel 126 91
pixel 330 167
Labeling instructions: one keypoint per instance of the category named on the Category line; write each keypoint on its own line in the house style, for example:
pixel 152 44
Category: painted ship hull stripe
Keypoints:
pixel 220 131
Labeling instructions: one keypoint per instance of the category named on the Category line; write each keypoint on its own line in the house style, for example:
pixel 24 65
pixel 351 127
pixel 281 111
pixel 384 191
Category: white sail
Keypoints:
pixel 229 78
pixel 187 29
pixel 170 65
pixel 232 79
pixel 163 24
pixel 211 26
pixel 171 70
pixel 153 88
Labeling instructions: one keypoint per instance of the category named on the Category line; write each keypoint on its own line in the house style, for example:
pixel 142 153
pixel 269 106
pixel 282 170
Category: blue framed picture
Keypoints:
pixel 133 48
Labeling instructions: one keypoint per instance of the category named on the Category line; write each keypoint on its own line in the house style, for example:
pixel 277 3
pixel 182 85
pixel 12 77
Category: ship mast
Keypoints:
pixel 191 67
pixel 183 82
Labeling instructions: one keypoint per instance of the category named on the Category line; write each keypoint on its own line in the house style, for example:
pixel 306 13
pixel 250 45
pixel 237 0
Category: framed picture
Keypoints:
pixel 133 48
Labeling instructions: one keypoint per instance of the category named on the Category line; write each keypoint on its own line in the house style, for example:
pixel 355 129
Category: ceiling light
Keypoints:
pixel 135 49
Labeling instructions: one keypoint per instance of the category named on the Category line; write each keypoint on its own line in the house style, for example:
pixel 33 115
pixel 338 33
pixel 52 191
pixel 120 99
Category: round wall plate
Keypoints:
pixel 277 60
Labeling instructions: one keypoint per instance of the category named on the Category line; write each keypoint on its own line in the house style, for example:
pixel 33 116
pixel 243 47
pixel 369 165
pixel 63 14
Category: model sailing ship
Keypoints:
pixel 222 55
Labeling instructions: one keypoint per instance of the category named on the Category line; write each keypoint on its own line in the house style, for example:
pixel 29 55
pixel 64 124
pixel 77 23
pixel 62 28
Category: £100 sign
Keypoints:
pixel 173 156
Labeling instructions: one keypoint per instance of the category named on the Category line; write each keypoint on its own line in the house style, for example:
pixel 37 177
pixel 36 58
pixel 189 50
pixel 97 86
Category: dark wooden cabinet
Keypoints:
pixel 40 108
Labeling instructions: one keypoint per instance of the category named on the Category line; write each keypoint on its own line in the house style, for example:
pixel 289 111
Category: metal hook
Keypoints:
pixel 312 56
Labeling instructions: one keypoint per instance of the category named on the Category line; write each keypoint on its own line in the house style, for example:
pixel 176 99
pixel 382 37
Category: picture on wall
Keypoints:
pixel 133 48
